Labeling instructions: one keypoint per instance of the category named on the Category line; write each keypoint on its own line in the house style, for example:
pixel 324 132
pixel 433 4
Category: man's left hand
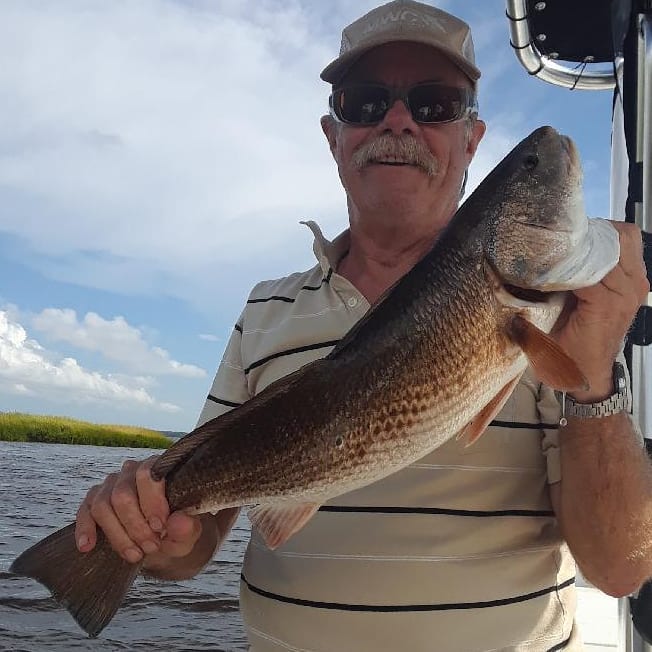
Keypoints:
pixel 592 328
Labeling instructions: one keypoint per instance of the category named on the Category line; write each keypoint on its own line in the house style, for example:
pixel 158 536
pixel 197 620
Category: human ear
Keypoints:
pixel 330 129
pixel 475 134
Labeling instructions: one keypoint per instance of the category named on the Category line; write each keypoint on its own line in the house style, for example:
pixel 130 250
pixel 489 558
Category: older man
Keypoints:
pixel 469 548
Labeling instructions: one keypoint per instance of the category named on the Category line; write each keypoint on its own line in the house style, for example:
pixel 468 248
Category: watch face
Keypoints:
pixel 620 379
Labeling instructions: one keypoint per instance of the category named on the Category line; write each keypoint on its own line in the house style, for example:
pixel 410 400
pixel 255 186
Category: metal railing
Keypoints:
pixel 547 69
pixel 544 67
pixel 642 356
pixel 644 125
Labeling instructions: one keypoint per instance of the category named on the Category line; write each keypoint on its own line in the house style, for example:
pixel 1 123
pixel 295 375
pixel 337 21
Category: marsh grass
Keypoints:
pixel 15 426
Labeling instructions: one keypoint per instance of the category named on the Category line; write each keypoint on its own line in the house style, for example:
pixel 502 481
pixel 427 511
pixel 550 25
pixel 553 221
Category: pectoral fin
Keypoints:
pixel 277 523
pixel 552 365
pixel 475 428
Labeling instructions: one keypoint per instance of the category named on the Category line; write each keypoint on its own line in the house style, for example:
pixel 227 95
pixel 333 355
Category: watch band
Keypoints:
pixel 619 401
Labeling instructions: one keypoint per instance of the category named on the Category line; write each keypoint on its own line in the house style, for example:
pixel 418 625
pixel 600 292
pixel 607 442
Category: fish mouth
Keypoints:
pixel 541 226
pixel 574 164
pixel 508 292
pixel 570 149
pixel 527 294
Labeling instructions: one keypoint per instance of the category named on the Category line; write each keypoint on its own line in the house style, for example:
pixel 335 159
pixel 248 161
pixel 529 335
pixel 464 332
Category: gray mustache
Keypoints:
pixel 402 148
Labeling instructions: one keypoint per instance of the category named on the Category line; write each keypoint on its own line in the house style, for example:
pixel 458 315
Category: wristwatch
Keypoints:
pixel 620 400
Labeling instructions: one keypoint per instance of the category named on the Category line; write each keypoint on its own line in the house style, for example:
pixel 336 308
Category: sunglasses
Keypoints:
pixel 428 102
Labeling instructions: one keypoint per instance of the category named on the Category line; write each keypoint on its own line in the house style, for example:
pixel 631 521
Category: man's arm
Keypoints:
pixel 604 499
pixel 604 502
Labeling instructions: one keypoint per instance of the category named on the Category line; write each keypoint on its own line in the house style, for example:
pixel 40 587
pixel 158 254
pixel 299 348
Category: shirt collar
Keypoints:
pixel 328 253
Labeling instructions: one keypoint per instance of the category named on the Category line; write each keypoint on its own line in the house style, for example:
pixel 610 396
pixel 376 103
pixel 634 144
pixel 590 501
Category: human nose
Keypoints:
pixel 398 119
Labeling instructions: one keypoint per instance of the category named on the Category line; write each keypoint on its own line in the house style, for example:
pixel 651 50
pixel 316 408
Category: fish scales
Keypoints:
pixel 368 395
pixel 437 356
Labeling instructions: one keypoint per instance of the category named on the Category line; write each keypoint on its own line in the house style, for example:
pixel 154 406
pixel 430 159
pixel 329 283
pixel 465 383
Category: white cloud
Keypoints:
pixel 145 143
pixel 26 368
pixel 114 339
pixel 172 146
pixel 207 337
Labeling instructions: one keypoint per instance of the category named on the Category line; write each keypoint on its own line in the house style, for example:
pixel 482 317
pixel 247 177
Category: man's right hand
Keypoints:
pixel 133 512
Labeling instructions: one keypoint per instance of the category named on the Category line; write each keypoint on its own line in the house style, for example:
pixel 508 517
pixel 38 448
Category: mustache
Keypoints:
pixel 405 148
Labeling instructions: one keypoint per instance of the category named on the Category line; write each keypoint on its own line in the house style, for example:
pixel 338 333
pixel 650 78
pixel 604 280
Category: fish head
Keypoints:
pixel 537 235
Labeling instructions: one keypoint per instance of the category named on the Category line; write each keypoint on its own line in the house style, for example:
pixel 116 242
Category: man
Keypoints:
pixel 464 550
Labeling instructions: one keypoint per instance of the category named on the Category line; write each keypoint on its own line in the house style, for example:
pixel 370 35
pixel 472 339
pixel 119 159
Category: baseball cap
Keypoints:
pixel 405 20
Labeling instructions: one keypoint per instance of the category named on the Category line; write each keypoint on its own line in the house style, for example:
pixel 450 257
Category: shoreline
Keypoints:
pixel 19 427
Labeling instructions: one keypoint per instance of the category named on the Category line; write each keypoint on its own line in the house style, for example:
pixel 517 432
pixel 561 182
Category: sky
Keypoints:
pixel 156 158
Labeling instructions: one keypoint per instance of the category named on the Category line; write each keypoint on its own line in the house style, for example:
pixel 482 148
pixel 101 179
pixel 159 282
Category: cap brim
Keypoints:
pixel 337 68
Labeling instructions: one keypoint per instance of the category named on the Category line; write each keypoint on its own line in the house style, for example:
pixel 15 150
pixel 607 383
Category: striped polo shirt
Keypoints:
pixel 459 551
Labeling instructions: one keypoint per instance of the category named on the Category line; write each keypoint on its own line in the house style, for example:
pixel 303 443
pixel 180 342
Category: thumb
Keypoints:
pixel 181 534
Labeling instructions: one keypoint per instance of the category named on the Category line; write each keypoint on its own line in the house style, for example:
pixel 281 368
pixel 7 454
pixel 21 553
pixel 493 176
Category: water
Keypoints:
pixel 41 486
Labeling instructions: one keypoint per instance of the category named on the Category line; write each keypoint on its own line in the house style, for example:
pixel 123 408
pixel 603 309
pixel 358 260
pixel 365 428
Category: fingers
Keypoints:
pixel 85 529
pixel 111 509
pixel 603 313
pixel 182 532
pixel 187 547
pixel 132 511
pixel 122 507
pixel 151 495
pixel 631 258
pixel 596 320
pixel 605 295
pixel 628 280
pixel 631 241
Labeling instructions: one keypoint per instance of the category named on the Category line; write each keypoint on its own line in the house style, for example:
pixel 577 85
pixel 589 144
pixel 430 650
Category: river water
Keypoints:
pixel 41 486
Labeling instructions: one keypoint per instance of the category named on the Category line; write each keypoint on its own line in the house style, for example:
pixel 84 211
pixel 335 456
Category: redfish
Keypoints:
pixel 435 358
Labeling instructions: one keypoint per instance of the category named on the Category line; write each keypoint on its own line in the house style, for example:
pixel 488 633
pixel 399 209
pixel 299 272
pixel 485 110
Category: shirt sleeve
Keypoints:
pixel 550 413
pixel 229 388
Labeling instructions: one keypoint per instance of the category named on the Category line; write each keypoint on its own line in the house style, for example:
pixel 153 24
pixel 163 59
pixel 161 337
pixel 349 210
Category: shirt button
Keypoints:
pixel 353 302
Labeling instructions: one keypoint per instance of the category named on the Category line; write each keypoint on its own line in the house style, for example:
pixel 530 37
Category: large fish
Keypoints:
pixel 437 357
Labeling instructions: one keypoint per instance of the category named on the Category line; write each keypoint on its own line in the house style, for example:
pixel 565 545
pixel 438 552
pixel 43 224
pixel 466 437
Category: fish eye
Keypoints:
pixel 530 161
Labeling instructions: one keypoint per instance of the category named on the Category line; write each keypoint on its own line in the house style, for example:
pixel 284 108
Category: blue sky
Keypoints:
pixel 156 157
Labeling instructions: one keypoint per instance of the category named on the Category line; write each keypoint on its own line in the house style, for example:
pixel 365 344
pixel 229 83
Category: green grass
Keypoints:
pixel 15 426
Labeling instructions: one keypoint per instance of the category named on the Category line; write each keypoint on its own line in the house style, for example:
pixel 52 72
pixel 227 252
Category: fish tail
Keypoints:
pixel 90 585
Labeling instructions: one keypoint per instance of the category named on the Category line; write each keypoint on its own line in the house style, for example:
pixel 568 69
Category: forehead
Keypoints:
pixel 405 63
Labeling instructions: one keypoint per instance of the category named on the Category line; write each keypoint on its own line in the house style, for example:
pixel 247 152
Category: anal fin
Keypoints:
pixel 277 523
pixel 475 428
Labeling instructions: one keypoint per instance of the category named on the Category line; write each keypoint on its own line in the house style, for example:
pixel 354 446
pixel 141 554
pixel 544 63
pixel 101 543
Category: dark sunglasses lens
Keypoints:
pixel 434 103
pixel 361 104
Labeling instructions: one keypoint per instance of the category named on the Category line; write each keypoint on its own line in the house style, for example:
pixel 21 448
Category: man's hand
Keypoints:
pixel 133 512
pixel 592 328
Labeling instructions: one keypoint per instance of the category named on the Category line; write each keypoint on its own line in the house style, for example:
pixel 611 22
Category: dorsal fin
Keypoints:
pixel 184 447
pixel 352 333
